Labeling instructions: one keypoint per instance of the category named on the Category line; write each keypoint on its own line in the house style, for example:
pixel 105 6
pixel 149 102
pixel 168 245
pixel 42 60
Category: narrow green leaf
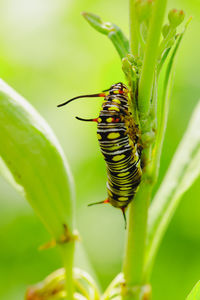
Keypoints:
pixel 163 101
pixel 97 23
pixel 33 160
pixel 183 171
pixel 195 293
pixel 113 32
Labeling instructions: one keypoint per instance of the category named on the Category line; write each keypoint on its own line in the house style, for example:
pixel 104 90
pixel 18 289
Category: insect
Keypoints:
pixel 118 137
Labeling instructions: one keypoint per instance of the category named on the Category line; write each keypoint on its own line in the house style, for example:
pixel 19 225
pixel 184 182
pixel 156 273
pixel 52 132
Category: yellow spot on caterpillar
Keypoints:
pixel 118 157
pixel 99 120
pixel 113 108
pixel 109 120
pixel 99 136
pixel 123 174
pixel 114 148
pixel 116 92
pixel 117 101
pixel 124 188
pixel 113 135
pixel 122 198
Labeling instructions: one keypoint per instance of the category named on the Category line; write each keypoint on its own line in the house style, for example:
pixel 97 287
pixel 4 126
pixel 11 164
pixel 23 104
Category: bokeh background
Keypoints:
pixel 48 53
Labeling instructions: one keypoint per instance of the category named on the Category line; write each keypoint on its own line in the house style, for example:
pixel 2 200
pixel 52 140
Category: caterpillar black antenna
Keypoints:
pixel 82 96
pixel 87 120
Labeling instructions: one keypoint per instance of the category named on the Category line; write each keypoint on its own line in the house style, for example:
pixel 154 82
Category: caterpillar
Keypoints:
pixel 118 137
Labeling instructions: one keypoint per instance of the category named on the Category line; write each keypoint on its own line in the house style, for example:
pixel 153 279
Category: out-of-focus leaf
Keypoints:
pixel 114 288
pixel 113 32
pixel 195 293
pixel 183 171
pixel 33 161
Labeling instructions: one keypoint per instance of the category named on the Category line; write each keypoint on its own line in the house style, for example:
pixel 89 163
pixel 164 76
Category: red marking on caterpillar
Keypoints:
pixel 106 201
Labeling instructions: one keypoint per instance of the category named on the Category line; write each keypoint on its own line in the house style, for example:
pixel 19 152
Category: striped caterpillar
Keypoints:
pixel 118 139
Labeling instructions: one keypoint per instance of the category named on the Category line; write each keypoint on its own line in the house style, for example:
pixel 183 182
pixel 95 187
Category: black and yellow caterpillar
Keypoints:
pixel 118 138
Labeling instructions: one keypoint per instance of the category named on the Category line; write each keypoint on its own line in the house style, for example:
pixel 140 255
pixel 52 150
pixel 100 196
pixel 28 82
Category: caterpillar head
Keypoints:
pixel 119 87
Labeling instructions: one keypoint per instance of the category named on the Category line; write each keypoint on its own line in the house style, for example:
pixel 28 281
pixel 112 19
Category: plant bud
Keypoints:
pixel 165 30
pixel 176 17
pixel 131 58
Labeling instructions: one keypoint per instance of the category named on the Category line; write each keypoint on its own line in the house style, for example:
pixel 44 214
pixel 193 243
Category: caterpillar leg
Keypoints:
pixel 101 202
pixel 124 215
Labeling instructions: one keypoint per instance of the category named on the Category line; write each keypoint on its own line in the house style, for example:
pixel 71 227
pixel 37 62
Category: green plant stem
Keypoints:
pixel 149 64
pixel 67 254
pixel 137 223
pixel 136 240
pixel 134 43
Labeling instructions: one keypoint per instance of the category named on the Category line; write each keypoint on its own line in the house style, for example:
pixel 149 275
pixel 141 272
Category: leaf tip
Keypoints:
pixel 83 13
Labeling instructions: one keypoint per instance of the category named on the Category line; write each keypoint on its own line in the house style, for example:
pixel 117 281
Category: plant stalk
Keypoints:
pixel 136 241
pixel 67 254
pixel 138 211
pixel 134 43
pixel 149 64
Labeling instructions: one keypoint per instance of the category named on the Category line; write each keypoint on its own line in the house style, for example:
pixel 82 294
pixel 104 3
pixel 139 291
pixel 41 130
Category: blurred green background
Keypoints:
pixel 48 53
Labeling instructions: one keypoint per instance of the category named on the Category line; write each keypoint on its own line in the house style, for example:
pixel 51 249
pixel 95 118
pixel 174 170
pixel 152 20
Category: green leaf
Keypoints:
pixel 33 160
pixel 195 293
pixel 5 172
pixel 183 171
pixel 113 32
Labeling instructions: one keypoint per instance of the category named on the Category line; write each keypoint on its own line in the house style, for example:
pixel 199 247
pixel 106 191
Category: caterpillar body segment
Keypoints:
pixel 118 137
